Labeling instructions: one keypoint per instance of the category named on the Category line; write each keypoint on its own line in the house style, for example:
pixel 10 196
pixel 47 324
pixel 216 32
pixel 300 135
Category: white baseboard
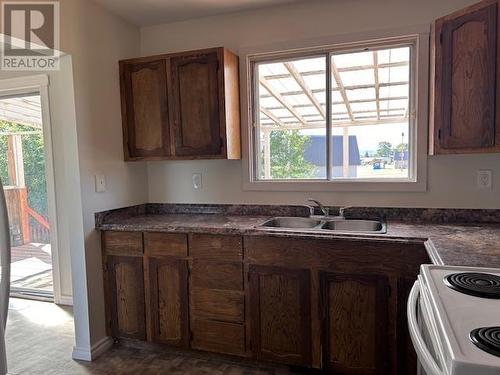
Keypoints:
pixel 84 354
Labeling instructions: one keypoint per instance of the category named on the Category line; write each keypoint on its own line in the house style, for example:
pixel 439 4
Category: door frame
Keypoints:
pixel 40 84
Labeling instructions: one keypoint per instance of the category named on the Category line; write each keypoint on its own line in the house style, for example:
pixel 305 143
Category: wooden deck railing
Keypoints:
pixel 39 227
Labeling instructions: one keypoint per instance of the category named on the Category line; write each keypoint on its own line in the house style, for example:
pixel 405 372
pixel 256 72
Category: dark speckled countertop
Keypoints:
pixel 464 244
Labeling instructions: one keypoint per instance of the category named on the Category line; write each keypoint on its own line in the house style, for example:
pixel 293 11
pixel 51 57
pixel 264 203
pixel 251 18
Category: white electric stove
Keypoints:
pixel 454 320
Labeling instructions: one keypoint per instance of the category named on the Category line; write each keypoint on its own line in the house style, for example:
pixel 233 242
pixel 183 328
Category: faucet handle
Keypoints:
pixel 342 210
pixel 311 209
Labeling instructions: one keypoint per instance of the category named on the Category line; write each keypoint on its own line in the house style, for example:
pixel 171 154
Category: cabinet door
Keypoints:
pixel 355 323
pixel 280 314
pixel 145 109
pixel 466 55
pixel 197 105
pixel 126 292
pixel 407 358
pixel 168 290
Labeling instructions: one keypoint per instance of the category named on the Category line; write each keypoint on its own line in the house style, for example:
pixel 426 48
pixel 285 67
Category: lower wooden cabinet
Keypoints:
pixel 355 323
pixel 218 336
pixel 308 303
pixel 126 296
pixel 168 310
pixel 280 314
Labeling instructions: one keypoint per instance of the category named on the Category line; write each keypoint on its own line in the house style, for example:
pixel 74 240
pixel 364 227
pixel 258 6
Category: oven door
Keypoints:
pixel 423 334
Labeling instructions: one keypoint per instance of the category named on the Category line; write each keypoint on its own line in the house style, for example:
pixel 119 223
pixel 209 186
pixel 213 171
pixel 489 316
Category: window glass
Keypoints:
pixel 292 119
pixel 371 140
pixel 368 130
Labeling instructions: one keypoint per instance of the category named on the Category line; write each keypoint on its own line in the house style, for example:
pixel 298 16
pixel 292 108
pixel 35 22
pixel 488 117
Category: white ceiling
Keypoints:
pixel 152 12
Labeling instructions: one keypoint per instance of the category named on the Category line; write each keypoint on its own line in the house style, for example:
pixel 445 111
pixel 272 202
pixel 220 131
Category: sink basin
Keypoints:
pixel 292 222
pixel 354 226
pixel 325 225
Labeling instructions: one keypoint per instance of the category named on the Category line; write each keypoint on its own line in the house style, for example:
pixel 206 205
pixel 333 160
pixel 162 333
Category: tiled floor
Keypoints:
pixel 40 339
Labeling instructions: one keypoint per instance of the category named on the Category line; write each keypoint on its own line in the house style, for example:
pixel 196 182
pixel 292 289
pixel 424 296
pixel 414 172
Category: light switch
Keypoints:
pixel 484 179
pixel 100 183
pixel 197 182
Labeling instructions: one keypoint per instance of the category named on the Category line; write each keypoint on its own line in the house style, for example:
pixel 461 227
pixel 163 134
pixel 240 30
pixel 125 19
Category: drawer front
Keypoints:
pixel 208 246
pixel 122 243
pixel 165 244
pixel 220 305
pixel 217 275
pixel 221 337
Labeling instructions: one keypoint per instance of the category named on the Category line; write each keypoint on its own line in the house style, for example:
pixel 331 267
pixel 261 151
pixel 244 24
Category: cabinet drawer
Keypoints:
pixel 217 275
pixel 228 338
pixel 221 305
pixel 209 246
pixel 165 244
pixel 122 243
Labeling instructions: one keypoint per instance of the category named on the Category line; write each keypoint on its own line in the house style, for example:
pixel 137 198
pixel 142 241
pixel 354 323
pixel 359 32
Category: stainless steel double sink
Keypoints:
pixel 325 225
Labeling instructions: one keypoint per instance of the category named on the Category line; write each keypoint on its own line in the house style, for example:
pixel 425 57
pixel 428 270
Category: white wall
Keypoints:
pixel 96 39
pixel 451 179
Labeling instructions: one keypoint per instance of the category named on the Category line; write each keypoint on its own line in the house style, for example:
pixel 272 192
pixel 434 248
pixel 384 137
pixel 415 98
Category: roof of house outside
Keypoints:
pixel 398 155
pixel 315 153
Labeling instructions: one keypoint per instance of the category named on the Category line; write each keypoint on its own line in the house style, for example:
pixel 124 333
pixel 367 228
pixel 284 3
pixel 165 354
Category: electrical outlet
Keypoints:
pixel 197 181
pixel 484 177
pixel 100 183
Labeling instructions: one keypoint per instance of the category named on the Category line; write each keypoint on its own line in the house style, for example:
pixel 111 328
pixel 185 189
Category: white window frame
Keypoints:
pixel 419 66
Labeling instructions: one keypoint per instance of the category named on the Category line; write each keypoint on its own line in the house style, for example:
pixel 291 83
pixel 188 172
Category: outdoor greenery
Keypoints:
pixel 34 165
pixel 287 158
pixel 385 149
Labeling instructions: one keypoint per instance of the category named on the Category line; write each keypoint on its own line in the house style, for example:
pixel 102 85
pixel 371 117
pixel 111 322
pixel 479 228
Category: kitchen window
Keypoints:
pixel 335 114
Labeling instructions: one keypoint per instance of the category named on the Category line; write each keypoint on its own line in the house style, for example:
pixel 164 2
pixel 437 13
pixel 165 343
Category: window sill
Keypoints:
pixel 338 185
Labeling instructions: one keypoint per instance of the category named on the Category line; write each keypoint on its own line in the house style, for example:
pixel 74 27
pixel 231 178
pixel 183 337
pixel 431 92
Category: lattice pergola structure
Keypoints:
pixel 368 88
pixel 25 110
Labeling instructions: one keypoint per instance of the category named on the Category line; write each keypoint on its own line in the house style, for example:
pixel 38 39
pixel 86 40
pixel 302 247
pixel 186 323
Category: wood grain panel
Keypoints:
pixel 145 109
pixel 220 305
pixel 337 255
pixel 122 243
pixel 464 115
pixel 216 247
pixel 355 324
pixel 168 279
pixel 196 96
pixel 127 291
pixel 220 337
pixel 407 358
pixel 217 275
pixel 469 72
pixel 165 244
pixel 182 105
pixel 280 314
pixel 232 105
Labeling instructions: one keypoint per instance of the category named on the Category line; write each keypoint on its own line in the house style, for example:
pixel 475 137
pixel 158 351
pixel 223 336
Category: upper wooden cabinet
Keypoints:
pixel 465 95
pixel 145 109
pixel 181 106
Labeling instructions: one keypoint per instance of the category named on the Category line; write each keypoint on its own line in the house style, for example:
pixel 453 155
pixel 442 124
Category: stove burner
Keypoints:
pixel 475 284
pixel 487 339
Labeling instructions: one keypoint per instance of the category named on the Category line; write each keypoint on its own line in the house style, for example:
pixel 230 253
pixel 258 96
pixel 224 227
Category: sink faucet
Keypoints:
pixel 342 211
pixel 325 210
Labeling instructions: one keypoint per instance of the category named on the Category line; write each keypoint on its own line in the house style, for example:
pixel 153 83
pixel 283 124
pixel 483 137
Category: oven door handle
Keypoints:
pixel 426 359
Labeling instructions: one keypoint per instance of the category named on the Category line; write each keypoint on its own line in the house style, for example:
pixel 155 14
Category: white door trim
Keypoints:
pixel 40 83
